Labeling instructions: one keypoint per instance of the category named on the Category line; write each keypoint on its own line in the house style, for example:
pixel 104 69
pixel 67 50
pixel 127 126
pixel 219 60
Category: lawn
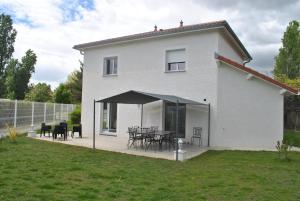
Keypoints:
pixel 39 170
pixel 292 137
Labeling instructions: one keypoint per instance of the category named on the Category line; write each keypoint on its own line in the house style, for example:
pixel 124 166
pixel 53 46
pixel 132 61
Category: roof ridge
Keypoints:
pixel 158 31
pixel 165 32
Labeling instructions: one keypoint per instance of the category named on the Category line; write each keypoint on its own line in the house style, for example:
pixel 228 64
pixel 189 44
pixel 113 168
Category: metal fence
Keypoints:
pixel 23 114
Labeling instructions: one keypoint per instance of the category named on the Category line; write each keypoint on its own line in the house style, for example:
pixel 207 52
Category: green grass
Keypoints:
pixel 39 170
pixel 292 137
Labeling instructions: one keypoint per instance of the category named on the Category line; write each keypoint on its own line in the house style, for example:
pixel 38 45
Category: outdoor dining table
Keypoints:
pixel 160 134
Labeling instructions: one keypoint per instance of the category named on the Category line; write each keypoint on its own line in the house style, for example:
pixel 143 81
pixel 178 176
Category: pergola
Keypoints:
pixel 141 98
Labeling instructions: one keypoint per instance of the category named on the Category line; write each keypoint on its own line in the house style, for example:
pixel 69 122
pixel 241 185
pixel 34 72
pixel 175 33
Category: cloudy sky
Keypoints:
pixel 52 27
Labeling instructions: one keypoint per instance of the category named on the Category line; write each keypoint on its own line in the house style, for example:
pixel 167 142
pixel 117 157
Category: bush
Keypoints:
pixel 1 138
pixel 76 116
pixel 12 133
pixel 283 148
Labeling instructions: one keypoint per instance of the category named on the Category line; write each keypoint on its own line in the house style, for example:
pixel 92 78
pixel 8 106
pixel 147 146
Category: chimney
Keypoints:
pixel 155 28
pixel 181 24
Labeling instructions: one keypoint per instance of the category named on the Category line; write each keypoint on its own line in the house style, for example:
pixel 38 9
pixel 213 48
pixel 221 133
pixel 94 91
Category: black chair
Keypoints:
pixel 65 126
pixel 59 130
pixel 45 128
pixel 150 140
pixel 135 136
pixel 77 129
pixel 197 133
pixel 131 137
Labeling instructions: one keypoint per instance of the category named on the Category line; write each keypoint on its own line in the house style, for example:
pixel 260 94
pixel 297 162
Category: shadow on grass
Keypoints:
pixel 2 149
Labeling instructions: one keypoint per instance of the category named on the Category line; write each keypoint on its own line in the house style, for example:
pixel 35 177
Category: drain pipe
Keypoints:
pixel 246 61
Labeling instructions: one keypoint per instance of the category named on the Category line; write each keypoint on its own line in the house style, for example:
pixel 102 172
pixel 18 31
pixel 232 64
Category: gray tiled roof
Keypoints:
pixel 151 34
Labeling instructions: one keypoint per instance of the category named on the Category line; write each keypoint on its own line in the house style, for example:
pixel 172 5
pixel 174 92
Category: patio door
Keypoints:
pixel 109 117
pixel 170 118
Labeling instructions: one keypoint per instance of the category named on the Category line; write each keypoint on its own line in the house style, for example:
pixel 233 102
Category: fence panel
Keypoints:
pixel 7 113
pixel 23 114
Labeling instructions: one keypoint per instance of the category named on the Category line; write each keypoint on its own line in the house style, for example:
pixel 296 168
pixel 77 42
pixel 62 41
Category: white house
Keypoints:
pixel 202 63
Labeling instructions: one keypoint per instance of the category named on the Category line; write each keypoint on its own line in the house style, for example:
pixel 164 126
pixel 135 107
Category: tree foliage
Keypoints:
pixel 76 115
pixel 40 92
pixel 288 60
pixel 295 83
pixel 26 68
pixel 11 79
pixel 7 39
pixel 74 84
pixel 18 74
pixel 62 94
pixel 14 74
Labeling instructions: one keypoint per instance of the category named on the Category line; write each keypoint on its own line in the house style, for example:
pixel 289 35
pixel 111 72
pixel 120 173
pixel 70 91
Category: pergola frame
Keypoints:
pixel 137 97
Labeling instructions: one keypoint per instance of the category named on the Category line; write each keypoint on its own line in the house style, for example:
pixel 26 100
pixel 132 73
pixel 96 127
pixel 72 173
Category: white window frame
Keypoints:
pixel 112 58
pixel 167 63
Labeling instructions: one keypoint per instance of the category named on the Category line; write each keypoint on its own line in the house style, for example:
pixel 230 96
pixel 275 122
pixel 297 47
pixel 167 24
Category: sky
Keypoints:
pixel 52 27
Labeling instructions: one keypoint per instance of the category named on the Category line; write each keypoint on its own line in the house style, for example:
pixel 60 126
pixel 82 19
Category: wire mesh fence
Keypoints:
pixel 24 115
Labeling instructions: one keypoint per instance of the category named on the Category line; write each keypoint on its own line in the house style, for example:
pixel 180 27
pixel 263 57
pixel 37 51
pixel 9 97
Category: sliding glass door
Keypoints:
pixel 170 118
pixel 109 117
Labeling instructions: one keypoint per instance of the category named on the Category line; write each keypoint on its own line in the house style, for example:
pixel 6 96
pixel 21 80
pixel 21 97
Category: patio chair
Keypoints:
pixel 154 128
pixel 45 128
pixel 168 140
pixel 76 129
pixel 133 138
pixel 65 127
pixel 197 133
pixel 59 130
pixel 151 138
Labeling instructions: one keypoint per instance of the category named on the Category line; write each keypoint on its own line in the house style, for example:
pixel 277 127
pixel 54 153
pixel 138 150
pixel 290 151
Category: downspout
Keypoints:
pixel 246 61
pixel 94 122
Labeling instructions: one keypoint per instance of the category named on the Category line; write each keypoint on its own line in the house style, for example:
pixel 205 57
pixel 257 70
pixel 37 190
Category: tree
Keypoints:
pixel 40 92
pixel 7 39
pixel 74 84
pixel 288 60
pixel 18 74
pixel 23 75
pixel 62 94
pixel 10 79
pixel 76 115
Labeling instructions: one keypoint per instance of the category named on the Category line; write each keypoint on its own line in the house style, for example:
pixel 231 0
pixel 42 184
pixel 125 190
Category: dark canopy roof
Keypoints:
pixel 137 97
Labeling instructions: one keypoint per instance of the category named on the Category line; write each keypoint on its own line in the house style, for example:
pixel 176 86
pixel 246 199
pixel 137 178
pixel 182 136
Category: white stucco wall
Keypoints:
pixel 250 112
pixel 227 49
pixel 141 66
pixel 245 114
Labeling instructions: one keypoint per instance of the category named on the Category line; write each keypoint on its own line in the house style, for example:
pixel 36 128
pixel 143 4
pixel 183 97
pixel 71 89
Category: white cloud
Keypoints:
pixel 259 27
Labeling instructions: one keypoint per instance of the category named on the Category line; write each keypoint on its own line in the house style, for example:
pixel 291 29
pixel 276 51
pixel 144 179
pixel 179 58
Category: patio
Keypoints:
pixel 119 144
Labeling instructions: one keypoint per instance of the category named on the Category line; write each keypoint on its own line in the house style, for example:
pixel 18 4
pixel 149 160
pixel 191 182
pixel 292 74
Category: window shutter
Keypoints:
pixel 174 56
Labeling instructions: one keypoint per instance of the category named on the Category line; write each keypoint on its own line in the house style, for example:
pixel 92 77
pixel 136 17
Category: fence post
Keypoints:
pixel 15 115
pixel 67 112
pixel 61 110
pixel 45 108
pixel 54 114
pixel 32 115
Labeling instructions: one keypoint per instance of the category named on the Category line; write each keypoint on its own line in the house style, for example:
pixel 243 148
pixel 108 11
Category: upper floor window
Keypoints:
pixel 110 66
pixel 175 60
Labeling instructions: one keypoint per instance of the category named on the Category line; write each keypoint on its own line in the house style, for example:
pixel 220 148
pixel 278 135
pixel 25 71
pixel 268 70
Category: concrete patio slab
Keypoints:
pixel 119 144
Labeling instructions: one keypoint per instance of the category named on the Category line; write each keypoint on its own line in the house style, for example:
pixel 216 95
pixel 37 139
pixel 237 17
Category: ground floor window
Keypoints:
pixel 109 117
pixel 170 118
